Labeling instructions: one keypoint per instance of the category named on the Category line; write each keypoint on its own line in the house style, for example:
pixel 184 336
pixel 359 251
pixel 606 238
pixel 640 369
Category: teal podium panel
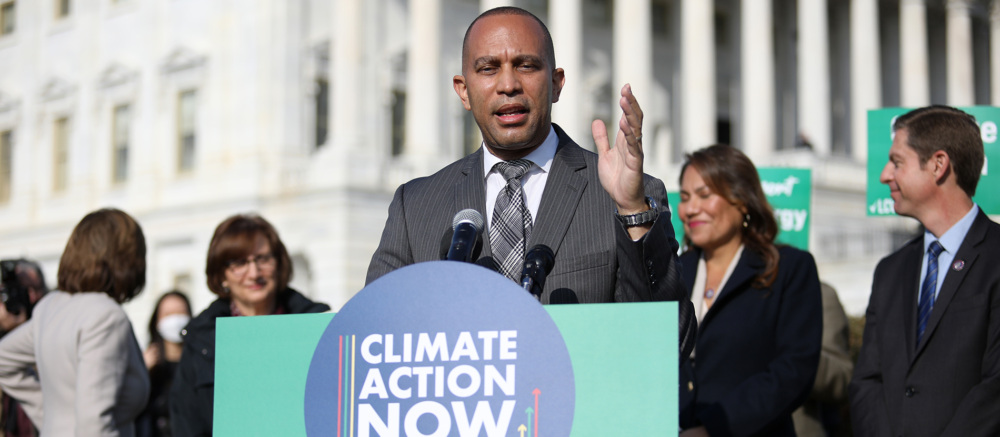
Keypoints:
pixel 450 349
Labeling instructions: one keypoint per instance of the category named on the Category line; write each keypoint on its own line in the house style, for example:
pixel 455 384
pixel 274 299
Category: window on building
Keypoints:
pixel 322 111
pixel 398 121
pixel 8 18
pixel 661 17
pixel 119 143
pixel 186 132
pixel 62 8
pixel 60 153
pixel 6 147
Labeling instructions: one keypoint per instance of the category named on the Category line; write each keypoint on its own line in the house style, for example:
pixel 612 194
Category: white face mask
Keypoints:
pixel 170 327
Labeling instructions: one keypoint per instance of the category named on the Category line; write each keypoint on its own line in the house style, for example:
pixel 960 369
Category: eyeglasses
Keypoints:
pixel 241 266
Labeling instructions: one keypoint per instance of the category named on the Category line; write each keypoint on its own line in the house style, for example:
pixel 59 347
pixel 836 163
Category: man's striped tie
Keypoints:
pixel 511 220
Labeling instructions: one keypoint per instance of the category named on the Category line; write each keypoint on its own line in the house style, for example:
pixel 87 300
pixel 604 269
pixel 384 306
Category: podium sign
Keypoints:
pixel 450 349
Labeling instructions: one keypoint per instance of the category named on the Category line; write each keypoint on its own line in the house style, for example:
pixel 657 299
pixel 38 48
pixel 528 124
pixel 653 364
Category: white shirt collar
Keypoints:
pixel 953 237
pixel 542 156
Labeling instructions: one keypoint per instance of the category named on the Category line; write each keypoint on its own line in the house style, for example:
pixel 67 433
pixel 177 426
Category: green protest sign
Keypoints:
pixel 674 199
pixel 879 201
pixel 788 190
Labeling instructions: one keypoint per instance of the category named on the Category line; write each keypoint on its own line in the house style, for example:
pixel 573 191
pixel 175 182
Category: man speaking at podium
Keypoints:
pixel 607 223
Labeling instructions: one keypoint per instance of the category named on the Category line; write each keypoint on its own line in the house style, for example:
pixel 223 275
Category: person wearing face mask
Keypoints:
pixel 170 315
pixel 249 269
pixel 758 304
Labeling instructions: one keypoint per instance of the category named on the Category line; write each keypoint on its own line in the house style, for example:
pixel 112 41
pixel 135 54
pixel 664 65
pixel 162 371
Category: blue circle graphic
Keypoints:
pixel 440 349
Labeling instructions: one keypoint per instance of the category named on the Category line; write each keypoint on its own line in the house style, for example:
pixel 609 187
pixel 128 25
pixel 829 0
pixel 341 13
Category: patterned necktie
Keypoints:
pixel 511 220
pixel 927 289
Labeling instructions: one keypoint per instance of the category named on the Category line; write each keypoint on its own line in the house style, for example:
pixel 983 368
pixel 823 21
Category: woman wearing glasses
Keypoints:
pixel 249 269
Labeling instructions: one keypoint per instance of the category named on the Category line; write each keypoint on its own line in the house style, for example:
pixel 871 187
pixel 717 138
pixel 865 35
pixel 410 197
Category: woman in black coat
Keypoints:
pixel 759 306
pixel 249 268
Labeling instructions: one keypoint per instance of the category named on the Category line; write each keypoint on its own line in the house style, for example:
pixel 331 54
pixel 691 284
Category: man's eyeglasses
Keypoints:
pixel 263 262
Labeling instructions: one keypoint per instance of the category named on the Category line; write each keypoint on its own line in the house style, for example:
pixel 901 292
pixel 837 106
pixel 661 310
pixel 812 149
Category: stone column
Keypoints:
pixel 633 63
pixel 485 5
pixel 814 75
pixel 347 62
pixel 697 70
pixel 566 26
pixel 915 88
pixel 961 81
pixel 423 81
pixel 757 81
pixel 866 84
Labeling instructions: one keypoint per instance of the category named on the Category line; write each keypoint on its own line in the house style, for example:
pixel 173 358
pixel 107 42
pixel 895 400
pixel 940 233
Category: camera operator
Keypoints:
pixel 22 285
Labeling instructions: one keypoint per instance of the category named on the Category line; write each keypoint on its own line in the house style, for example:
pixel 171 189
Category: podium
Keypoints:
pixel 450 349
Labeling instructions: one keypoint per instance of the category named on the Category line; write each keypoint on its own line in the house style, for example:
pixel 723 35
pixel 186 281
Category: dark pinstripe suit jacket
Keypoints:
pixel 595 260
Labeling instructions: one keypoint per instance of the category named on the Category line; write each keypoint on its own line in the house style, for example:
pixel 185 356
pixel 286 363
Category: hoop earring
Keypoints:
pixel 746 220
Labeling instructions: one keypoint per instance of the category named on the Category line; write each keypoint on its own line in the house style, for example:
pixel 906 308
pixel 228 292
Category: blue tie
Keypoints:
pixel 927 289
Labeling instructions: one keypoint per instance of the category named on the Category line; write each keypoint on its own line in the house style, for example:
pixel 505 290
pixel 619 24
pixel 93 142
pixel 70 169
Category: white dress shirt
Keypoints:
pixel 532 183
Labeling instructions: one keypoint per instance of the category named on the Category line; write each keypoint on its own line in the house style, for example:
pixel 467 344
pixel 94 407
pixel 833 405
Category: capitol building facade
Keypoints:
pixel 311 112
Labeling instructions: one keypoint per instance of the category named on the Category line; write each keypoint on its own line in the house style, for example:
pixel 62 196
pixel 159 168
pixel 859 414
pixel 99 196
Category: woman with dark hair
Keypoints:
pixel 170 315
pixel 758 305
pixel 90 377
pixel 249 269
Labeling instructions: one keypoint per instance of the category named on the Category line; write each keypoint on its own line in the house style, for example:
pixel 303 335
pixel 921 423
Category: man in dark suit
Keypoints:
pixel 930 362
pixel 606 221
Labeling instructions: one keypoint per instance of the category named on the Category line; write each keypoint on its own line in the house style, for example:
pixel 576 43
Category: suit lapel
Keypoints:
pixel 909 283
pixel 968 252
pixel 470 191
pixel 689 269
pixel 561 196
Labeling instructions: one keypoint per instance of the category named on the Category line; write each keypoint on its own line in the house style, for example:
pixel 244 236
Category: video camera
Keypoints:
pixel 14 295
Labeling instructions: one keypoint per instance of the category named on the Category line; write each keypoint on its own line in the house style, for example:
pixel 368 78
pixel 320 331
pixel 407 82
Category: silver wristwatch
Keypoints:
pixel 642 218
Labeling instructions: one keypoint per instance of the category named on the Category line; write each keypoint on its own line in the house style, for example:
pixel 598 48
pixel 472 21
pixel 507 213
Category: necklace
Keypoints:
pixel 710 293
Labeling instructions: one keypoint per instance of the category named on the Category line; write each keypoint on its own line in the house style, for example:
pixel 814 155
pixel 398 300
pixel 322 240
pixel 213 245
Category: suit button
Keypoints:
pixel 910 391
pixel 649 263
pixel 690 386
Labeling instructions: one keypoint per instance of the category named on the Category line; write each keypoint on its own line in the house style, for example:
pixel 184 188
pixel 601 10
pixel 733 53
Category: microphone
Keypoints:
pixel 537 264
pixel 466 226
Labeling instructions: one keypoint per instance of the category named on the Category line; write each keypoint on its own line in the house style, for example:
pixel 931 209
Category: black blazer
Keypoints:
pixel 192 395
pixel 949 385
pixel 757 349
pixel 595 259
